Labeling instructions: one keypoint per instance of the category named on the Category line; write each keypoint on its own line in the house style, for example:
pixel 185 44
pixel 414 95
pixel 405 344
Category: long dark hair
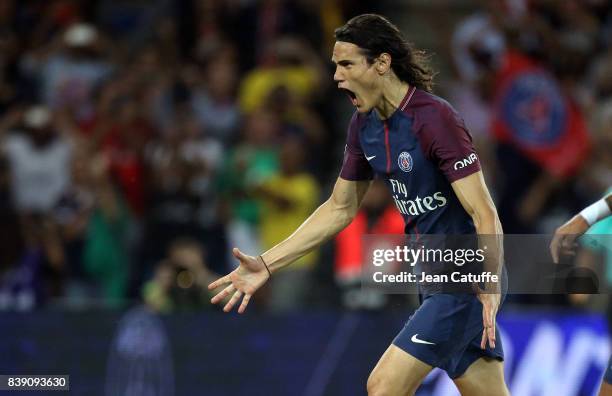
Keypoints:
pixel 374 34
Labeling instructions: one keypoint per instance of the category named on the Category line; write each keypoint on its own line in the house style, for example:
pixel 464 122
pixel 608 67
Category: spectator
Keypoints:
pixel 70 69
pixel 156 292
pixel 72 214
pixel 301 121
pixel 250 163
pixel 123 132
pixel 287 199
pixel 296 67
pixel 20 268
pixel 180 280
pixel 31 258
pixel 213 98
pixel 184 166
pixel 39 158
pixel 105 255
pixel 597 173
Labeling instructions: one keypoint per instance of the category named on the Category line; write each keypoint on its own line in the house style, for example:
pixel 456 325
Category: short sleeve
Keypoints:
pixel 450 144
pixel 354 166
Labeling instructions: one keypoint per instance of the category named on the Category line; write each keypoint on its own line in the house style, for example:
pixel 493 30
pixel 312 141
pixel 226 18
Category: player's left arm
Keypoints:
pixel 449 144
pixel 474 196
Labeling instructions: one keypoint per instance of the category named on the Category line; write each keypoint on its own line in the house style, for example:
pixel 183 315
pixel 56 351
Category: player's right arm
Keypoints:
pixel 325 222
pixel 329 219
pixel 565 236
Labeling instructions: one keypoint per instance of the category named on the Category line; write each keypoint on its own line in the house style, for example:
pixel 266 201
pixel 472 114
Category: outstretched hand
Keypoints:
pixel 244 280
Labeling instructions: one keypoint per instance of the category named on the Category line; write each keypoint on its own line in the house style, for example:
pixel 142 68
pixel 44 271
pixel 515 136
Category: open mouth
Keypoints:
pixel 351 95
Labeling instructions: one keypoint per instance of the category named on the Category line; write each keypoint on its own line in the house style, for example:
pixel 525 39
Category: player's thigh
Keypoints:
pixel 484 377
pixel 397 373
pixel 605 389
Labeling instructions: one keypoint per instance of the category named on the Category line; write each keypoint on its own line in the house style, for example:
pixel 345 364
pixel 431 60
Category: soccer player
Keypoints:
pixel 418 144
pixel 564 241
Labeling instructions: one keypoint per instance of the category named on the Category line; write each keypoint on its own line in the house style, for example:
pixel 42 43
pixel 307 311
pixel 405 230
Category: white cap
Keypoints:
pixel 80 34
pixel 37 117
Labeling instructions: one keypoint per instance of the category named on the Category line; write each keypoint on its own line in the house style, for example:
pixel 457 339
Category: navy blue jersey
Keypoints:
pixel 419 151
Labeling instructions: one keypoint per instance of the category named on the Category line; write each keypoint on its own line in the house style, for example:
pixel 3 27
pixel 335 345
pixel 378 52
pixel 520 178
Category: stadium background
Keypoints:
pixel 141 139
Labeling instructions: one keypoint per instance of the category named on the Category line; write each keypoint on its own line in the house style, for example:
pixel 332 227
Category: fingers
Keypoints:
pixel 483 340
pixel 569 252
pixel 245 302
pixel 220 282
pixel 222 294
pixel 554 248
pixel 562 243
pixel 491 335
pixel 569 242
pixel 238 254
pixel 488 316
pixel 235 298
pixel 230 304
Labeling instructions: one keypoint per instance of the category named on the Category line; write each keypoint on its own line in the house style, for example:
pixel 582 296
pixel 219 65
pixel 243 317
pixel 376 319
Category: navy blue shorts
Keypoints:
pixel 445 332
pixel 608 375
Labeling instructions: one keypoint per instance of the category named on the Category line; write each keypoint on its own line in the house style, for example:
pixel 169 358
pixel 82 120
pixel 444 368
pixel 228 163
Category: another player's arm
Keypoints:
pixel 477 202
pixel 565 236
pixel 325 222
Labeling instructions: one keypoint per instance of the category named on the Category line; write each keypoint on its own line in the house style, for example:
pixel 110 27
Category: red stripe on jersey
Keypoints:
pixel 387 147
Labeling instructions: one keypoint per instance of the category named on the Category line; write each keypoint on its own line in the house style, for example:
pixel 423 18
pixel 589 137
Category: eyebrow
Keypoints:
pixel 343 62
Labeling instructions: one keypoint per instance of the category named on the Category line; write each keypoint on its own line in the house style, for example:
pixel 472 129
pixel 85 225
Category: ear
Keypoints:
pixel 383 63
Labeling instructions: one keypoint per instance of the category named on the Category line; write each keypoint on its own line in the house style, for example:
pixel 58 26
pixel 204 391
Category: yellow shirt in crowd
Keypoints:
pixel 277 224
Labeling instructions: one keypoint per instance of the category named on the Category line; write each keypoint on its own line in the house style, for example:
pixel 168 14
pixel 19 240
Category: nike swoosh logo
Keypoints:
pixel 417 341
pixel 370 158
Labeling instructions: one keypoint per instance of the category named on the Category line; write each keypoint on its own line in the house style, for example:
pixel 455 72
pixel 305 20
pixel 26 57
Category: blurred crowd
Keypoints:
pixel 140 140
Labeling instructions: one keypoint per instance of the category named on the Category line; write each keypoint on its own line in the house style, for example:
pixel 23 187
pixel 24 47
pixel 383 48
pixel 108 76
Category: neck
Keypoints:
pixel 393 91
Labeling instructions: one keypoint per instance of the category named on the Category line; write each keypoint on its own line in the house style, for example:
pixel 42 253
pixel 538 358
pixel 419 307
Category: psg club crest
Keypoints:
pixel 405 161
pixel 534 110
